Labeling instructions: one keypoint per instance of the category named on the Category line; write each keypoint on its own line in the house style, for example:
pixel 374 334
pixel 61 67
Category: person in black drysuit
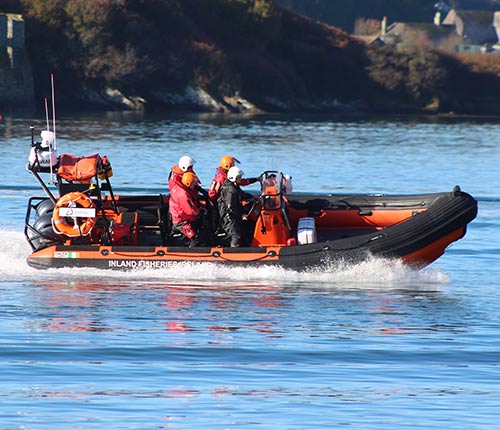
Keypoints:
pixel 230 207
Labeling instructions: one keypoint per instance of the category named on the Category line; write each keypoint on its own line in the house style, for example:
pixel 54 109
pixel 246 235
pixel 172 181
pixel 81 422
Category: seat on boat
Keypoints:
pixel 125 229
pixel 164 220
pixel 172 237
pixel 65 188
pixel 87 174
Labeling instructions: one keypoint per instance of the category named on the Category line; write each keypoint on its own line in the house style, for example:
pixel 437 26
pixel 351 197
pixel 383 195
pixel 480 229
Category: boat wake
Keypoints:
pixel 374 273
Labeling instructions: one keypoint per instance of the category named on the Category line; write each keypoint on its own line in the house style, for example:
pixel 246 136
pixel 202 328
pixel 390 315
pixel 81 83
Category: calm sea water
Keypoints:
pixel 374 346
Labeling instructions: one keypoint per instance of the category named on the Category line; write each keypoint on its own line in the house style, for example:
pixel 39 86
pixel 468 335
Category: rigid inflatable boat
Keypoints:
pixel 81 222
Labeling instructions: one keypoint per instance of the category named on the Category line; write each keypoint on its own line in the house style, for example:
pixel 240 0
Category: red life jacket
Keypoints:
pixel 218 181
pixel 216 184
pixel 184 204
pixel 175 177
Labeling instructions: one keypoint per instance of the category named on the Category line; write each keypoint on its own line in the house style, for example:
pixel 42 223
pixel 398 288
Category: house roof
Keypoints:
pixel 468 16
pixel 437 35
pixel 476 26
pixel 478 5
pixel 370 39
pixel 432 30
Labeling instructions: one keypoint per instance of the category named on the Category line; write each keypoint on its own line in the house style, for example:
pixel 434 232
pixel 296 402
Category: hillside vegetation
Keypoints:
pixel 239 54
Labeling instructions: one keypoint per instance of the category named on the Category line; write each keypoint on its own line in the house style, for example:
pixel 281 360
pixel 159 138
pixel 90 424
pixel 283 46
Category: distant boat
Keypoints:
pixel 85 224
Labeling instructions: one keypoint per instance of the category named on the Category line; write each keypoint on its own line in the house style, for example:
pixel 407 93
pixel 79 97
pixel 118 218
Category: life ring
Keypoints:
pixel 77 226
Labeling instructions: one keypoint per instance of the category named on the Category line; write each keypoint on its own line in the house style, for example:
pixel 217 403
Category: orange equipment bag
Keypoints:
pixel 81 169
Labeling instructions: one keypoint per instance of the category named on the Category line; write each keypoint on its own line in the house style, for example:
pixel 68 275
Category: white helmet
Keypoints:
pixel 185 162
pixel 234 173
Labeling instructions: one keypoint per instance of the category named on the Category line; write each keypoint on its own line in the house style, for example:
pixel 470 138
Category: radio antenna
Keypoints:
pixel 53 110
pixel 47 113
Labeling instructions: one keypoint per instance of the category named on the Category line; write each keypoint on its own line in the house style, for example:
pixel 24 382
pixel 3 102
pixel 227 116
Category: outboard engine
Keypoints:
pixel 41 233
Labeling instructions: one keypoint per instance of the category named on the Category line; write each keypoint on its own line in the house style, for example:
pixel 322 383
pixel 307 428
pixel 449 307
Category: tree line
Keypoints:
pixel 244 48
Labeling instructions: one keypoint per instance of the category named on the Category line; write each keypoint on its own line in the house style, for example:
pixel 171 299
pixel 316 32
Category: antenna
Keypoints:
pixel 50 144
pixel 53 110
pixel 47 114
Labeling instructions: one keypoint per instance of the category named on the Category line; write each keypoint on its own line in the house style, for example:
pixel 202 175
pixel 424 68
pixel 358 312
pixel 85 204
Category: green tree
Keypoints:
pixel 427 75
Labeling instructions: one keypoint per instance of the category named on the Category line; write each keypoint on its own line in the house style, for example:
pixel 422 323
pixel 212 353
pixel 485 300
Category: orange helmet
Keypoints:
pixel 227 162
pixel 189 178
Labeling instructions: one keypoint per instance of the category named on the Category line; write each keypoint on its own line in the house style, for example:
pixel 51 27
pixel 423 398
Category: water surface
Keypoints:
pixel 372 346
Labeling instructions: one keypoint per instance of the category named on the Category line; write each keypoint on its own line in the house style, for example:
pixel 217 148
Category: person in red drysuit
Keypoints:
pixel 184 165
pixel 186 211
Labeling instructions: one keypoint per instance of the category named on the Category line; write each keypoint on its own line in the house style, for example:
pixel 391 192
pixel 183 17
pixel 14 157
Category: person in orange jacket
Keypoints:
pixel 226 162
